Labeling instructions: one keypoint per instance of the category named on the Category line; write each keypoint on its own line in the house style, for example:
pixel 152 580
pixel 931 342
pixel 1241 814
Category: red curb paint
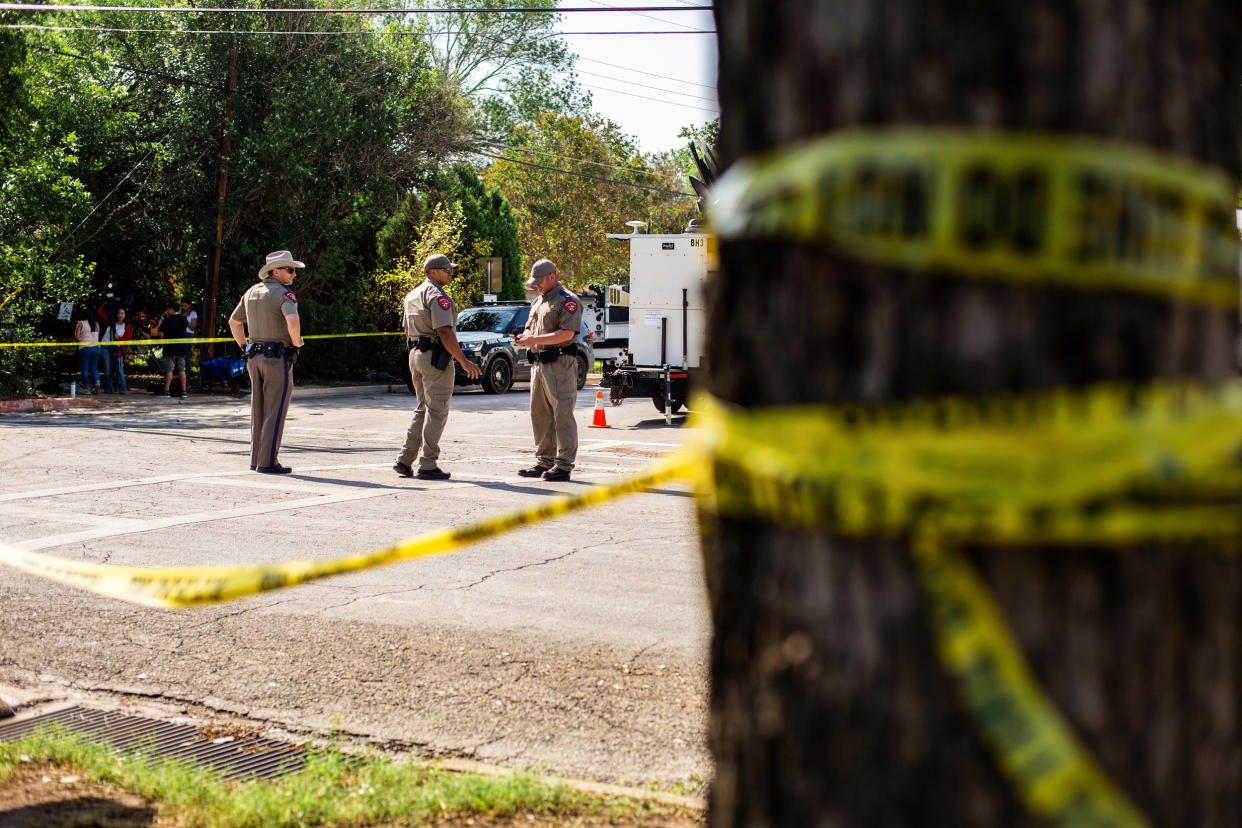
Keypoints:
pixel 48 404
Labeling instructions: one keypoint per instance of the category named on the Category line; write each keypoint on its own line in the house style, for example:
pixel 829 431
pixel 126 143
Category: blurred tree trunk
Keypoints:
pixel 1142 652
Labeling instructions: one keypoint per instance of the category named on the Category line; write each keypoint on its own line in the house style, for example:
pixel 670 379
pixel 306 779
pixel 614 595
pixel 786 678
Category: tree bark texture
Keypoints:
pixel 829 704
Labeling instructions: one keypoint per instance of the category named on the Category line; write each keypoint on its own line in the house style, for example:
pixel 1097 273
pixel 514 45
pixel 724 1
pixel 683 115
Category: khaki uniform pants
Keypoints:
pixel 434 389
pixel 553 392
pixel 271 387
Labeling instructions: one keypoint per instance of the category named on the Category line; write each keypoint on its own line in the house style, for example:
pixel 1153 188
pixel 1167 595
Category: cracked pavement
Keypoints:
pixel 578 646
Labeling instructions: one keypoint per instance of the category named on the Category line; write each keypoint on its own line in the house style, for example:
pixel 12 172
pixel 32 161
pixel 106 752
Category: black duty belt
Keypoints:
pixel 423 343
pixel 549 354
pixel 270 349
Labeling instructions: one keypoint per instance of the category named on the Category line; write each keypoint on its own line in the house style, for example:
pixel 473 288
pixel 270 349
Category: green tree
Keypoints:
pixel 565 215
pixel 329 134
pixel 489 223
pixel 444 230
pixel 526 96
pixel 475 52
pixel 43 202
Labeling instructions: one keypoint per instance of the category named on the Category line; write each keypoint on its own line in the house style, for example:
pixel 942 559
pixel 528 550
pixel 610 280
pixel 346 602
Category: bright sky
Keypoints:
pixel 652 85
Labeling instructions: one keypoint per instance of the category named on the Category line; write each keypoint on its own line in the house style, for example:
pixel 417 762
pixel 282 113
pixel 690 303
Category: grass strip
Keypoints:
pixel 332 789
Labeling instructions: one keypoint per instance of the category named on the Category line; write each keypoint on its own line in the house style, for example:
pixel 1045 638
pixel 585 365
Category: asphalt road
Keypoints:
pixel 577 646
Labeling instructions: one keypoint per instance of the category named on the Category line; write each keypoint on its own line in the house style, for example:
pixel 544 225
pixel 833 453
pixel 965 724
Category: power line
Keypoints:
pixel 41 27
pixel 638 12
pixel 192 10
pixel 154 146
pixel 498 145
pixel 584 175
pixel 649 98
pixel 135 69
pixel 645 86
pixel 641 72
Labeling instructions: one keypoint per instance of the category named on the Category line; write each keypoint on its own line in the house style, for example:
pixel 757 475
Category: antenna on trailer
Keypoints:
pixel 634 226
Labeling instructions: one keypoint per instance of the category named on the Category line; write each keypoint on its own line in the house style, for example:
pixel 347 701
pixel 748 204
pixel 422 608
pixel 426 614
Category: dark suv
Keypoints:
pixel 486 333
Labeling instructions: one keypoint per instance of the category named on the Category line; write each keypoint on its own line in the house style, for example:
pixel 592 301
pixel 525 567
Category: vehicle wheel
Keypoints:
pixel 582 370
pixel 498 377
pixel 658 400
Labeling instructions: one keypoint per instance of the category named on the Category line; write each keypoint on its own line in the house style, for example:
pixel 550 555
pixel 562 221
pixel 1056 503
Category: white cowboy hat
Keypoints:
pixel 281 258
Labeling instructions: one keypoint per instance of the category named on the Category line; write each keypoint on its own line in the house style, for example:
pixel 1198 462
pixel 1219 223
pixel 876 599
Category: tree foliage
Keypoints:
pixel 344 132
pixel 552 174
pixel 477 52
pixel 330 130
pixel 444 230
pixel 43 203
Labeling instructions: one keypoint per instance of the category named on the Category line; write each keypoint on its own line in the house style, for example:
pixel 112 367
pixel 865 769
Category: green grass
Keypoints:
pixel 333 789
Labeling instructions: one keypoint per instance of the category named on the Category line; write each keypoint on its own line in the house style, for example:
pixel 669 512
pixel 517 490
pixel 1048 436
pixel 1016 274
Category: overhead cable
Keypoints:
pixel 584 175
pixel 639 11
pixel 635 170
pixel 43 7
pixel 646 86
pixel 41 27
pixel 713 110
pixel 62 246
pixel 136 70
pixel 649 74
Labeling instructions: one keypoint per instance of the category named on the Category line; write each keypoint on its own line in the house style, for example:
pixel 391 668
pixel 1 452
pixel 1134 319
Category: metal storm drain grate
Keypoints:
pixel 230 750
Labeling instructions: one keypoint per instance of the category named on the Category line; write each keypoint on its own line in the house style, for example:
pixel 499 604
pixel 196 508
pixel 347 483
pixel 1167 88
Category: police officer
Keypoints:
pixel 555 318
pixel 430 321
pixel 270 311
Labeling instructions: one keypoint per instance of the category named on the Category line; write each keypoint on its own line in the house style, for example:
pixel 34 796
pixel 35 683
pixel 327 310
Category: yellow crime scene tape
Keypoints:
pixel 189 586
pixel 1112 466
pixel 1109 466
pixel 192 340
pixel 1070 211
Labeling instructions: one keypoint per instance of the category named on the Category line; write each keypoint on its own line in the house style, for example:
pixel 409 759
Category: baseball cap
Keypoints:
pixel 539 270
pixel 438 261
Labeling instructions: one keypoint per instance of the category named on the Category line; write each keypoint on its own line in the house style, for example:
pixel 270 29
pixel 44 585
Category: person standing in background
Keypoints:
pixel 269 310
pixel 86 332
pixel 429 317
pixel 112 358
pixel 554 323
pixel 191 318
pixel 172 326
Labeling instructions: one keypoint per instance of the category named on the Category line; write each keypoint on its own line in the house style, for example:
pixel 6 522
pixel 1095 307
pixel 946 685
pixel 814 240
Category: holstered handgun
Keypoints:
pixel 440 356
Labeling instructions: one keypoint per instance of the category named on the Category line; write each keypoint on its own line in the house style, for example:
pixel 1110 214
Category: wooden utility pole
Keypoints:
pixel 222 177
pixel 829 704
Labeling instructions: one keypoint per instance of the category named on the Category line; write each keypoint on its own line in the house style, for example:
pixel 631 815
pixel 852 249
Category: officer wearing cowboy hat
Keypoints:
pixel 269 310
pixel 553 325
pixel 430 321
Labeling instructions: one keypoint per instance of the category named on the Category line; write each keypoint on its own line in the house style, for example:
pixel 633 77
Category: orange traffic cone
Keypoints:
pixel 599 421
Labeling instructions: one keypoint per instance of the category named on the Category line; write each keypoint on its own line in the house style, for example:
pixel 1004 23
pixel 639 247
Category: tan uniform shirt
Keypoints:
pixel 556 310
pixel 263 309
pixel 426 308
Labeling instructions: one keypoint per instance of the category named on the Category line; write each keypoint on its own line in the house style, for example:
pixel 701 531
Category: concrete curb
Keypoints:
pixel 139 397
pixel 47 404
pixel 600 788
pixel 27 705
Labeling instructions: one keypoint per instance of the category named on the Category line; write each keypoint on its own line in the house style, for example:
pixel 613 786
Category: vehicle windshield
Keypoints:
pixel 494 320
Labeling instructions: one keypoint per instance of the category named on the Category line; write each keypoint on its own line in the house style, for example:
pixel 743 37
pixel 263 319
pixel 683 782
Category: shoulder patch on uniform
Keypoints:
pixel 443 302
pixel 571 306
pixel 289 295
